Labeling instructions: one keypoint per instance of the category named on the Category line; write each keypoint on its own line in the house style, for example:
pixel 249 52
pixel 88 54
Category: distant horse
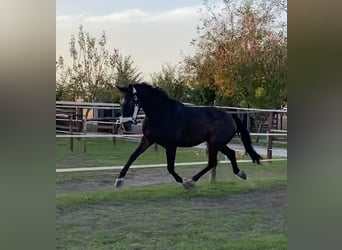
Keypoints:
pixel 171 124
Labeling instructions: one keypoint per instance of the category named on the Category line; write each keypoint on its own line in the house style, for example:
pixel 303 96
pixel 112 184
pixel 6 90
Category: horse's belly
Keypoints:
pixel 181 142
pixel 191 138
pixel 189 144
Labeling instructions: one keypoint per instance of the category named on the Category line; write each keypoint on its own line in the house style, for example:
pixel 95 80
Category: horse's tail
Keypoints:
pixel 246 139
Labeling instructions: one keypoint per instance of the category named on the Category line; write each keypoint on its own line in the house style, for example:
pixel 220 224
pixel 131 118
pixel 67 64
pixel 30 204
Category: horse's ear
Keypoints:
pixel 131 89
pixel 121 88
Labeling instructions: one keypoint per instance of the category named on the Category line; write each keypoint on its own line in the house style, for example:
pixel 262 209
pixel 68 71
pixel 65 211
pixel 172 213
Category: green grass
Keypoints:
pixel 162 191
pixel 105 179
pixel 169 217
pixel 231 214
pixel 101 152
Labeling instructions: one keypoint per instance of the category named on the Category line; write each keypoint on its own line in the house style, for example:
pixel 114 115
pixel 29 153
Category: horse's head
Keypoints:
pixel 129 106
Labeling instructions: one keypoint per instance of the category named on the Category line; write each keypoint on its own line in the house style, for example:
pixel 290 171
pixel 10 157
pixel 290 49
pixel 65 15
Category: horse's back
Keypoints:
pixel 210 123
pixel 190 126
pixel 208 115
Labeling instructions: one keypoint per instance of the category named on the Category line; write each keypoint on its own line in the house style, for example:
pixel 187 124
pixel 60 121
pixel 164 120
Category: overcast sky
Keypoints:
pixel 151 31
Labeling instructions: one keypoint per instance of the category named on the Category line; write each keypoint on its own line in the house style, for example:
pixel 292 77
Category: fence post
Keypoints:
pixel 85 132
pixel 70 131
pixel 114 130
pixel 212 174
pixel 269 137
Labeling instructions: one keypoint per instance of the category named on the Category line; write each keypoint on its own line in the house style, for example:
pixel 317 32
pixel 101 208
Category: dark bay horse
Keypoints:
pixel 171 124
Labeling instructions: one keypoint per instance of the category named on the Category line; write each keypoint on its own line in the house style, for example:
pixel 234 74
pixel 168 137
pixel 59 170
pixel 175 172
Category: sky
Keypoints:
pixel 152 32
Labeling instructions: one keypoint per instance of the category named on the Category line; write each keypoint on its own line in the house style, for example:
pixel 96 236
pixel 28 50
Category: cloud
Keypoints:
pixel 139 16
pixel 63 18
pixel 150 38
pixel 131 15
pixel 175 15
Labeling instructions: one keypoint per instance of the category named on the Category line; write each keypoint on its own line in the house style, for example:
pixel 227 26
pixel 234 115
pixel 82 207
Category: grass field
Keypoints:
pixel 229 214
pixel 101 152
pixel 226 215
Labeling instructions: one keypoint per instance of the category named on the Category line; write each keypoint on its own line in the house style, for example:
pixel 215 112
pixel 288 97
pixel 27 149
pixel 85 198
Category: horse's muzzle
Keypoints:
pixel 127 125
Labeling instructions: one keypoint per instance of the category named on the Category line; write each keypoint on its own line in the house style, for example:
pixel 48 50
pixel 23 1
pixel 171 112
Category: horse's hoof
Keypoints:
pixel 242 175
pixel 119 182
pixel 188 184
pixel 257 159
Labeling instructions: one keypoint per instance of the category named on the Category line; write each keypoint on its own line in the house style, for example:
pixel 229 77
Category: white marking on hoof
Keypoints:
pixel 242 175
pixel 187 184
pixel 119 182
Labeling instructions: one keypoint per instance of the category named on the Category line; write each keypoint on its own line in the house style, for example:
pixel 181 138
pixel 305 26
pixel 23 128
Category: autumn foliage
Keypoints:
pixel 241 53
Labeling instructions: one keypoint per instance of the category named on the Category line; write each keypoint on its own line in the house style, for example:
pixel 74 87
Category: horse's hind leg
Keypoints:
pixel 212 162
pixel 231 156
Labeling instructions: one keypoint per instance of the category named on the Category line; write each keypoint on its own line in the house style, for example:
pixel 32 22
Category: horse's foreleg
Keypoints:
pixel 171 155
pixel 144 144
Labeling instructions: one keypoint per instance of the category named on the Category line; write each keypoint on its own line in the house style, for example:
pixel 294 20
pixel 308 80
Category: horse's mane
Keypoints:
pixel 153 89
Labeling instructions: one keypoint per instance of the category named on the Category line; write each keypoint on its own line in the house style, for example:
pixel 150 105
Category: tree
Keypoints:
pixel 66 89
pixel 171 80
pixel 94 70
pixel 197 73
pixel 241 53
pixel 126 72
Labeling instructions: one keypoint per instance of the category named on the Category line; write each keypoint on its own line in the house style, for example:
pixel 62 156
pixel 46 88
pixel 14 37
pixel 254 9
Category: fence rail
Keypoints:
pixel 80 135
pixel 72 122
pixel 64 170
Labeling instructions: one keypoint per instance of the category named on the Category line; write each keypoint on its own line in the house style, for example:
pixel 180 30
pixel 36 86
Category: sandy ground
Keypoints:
pixel 99 180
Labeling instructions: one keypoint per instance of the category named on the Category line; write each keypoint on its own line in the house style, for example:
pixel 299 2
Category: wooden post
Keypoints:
pixel 248 121
pixel 269 137
pixel 281 121
pixel 85 132
pixel 113 128
pixel 77 122
pixel 212 174
pixel 114 132
pixel 70 131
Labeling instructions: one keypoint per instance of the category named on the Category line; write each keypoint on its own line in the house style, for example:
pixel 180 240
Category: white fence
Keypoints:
pixel 64 170
pixel 60 105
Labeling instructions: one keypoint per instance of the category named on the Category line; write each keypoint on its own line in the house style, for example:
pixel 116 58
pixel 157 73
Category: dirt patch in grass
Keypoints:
pixel 100 180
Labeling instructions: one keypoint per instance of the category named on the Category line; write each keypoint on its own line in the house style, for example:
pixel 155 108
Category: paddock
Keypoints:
pixel 152 211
